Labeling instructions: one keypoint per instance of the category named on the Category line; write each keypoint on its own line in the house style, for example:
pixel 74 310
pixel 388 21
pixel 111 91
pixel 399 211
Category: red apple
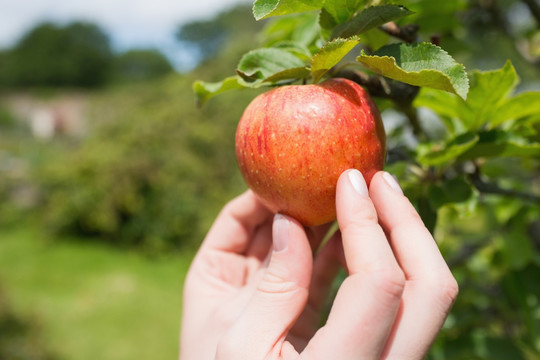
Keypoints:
pixel 293 142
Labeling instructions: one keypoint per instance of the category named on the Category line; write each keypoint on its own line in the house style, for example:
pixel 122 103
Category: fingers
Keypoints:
pixel 367 302
pixel 278 300
pixel 430 290
pixel 326 267
pixel 235 225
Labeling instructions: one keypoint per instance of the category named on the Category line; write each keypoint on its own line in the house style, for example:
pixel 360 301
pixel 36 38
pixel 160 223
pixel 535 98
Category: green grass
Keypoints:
pixel 94 301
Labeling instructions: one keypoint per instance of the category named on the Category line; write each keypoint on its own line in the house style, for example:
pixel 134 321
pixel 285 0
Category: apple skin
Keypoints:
pixel 293 143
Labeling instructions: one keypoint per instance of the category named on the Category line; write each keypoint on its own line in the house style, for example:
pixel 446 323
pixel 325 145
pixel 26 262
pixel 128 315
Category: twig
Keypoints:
pixel 492 188
pixel 378 86
pixel 407 33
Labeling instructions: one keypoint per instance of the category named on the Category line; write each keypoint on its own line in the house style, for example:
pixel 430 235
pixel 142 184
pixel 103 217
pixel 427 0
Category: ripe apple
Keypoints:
pixel 293 142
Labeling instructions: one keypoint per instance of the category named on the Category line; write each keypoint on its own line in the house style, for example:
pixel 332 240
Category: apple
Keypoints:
pixel 293 143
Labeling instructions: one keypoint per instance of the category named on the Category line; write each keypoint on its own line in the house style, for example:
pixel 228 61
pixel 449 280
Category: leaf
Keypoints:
pixel 445 105
pixel 428 213
pixel 374 39
pixel 456 190
pixel 302 29
pixel 341 10
pixel 430 156
pixel 260 64
pixel 520 106
pixel 266 8
pixel 368 19
pixel 297 49
pixel 329 55
pixel 205 91
pixel 289 74
pixel 500 143
pixel 421 64
pixel 488 90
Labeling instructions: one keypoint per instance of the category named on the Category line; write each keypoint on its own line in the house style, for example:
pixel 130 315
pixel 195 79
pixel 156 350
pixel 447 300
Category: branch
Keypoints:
pixel 493 188
pixel 402 94
pixel 407 33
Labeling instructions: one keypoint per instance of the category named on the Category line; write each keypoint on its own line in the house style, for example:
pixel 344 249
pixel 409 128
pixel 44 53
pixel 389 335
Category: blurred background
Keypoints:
pixel 110 175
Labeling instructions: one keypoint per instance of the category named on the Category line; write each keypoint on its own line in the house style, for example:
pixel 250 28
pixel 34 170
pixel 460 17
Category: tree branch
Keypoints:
pixel 492 188
pixel 402 94
pixel 407 33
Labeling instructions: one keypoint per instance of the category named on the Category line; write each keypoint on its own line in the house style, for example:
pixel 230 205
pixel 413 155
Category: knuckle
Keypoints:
pixel 450 290
pixel 444 288
pixel 389 283
pixel 274 283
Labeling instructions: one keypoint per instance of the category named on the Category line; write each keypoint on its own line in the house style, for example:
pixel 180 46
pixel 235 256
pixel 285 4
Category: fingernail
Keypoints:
pixel 280 230
pixel 358 182
pixel 392 182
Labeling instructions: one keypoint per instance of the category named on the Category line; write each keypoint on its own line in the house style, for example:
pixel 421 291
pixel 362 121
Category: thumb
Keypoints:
pixel 279 299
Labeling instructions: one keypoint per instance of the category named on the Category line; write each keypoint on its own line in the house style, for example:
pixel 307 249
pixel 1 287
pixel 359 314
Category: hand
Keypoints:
pixel 249 295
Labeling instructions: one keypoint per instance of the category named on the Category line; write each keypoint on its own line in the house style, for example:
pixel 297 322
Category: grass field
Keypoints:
pixel 93 301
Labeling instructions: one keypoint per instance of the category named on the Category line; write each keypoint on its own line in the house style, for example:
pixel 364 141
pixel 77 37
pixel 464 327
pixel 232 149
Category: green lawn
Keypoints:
pixel 94 301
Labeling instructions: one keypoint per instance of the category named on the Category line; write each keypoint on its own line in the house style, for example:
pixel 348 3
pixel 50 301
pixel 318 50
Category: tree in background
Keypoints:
pixel 208 38
pixel 138 65
pixel 77 54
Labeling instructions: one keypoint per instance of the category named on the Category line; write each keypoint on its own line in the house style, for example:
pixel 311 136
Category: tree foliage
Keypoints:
pixel 463 136
pixel 140 64
pixel 77 54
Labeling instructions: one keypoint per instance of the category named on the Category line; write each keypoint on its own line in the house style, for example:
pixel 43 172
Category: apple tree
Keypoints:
pixel 464 143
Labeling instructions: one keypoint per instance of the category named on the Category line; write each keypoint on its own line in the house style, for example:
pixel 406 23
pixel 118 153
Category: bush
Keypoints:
pixel 153 173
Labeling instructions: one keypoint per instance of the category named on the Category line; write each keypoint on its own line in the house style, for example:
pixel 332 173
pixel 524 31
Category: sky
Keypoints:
pixel 129 23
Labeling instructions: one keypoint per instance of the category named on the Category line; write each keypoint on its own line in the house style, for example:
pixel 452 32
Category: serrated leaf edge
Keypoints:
pixel 461 66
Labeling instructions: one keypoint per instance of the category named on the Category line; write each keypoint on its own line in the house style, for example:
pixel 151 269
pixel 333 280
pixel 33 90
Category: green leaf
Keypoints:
pixel 488 90
pixel 331 54
pixel 368 19
pixel 375 39
pixel 520 106
pixel 428 213
pixel 437 155
pixel 500 143
pixel 421 64
pixel 456 190
pixel 289 75
pixel 445 105
pixel 342 10
pixel 302 29
pixel 266 8
pixel 457 194
pixel 297 49
pixel 258 65
pixel 205 91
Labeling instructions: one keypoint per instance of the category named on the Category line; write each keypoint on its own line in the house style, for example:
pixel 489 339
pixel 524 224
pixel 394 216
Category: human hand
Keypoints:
pixel 247 299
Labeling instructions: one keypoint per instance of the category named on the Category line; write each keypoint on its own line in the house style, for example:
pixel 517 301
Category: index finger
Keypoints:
pixel 236 223
pixel 430 287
